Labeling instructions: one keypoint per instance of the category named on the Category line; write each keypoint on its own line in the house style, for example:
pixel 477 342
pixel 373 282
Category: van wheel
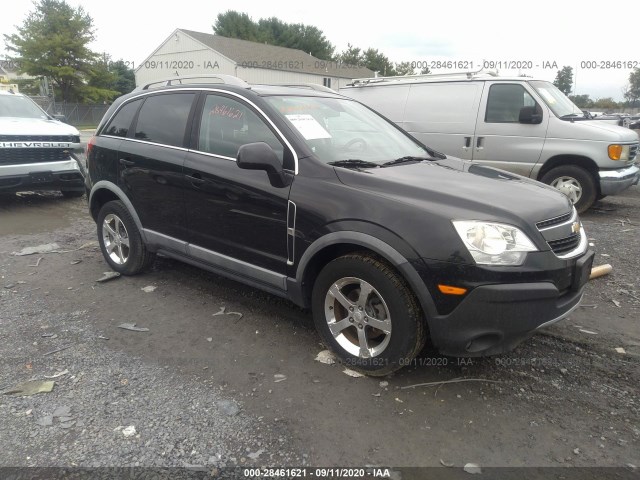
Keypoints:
pixel 366 313
pixel 120 240
pixel 575 182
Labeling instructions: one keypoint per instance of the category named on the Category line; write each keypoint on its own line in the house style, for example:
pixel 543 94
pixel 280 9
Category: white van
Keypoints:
pixel 518 124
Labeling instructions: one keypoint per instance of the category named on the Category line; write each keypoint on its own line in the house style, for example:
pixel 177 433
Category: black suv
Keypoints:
pixel 314 197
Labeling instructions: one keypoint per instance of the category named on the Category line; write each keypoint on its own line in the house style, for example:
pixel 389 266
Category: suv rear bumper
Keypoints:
pixel 65 175
pixel 615 181
pixel 493 319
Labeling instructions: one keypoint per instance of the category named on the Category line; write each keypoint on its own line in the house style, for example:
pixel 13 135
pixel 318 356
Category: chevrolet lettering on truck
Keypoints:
pixel 37 152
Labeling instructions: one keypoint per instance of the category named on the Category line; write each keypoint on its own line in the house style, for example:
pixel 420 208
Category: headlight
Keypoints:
pixel 619 152
pixel 494 243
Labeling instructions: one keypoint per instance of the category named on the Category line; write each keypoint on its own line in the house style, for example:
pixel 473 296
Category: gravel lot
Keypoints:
pixel 222 390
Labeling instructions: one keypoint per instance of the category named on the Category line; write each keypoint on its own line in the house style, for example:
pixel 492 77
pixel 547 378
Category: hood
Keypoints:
pixel 461 189
pixel 597 130
pixel 35 126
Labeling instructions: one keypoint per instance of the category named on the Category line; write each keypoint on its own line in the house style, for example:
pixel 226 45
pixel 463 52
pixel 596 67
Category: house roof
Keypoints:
pixel 262 55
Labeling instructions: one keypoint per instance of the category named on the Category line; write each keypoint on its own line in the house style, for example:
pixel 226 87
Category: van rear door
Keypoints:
pixel 501 140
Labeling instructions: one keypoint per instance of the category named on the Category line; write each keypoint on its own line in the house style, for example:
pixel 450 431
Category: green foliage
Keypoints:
pixel 582 101
pixel 632 90
pixel 378 62
pixel 564 80
pixel 425 71
pixel 274 31
pixel 53 42
pixel 108 80
pixel 606 103
pixel 236 25
pixel 404 68
pixel 28 86
pixel 352 55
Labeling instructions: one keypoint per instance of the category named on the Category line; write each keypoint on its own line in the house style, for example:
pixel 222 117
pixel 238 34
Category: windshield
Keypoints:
pixel 19 106
pixel 340 129
pixel 557 101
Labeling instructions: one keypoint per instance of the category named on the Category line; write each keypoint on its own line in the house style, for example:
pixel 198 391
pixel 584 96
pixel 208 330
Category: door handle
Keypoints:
pixel 196 179
pixel 467 142
pixel 479 143
pixel 127 163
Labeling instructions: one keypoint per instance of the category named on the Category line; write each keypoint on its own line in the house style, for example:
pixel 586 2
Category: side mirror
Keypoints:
pixel 260 156
pixel 60 117
pixel 529 115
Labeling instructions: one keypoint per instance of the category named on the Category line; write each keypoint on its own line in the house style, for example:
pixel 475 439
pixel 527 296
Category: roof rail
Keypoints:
pixel 312 86
pixel 224 79
pixel 403 78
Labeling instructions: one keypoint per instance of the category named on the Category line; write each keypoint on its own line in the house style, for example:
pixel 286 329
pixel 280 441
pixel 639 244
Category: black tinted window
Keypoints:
pixel 505 101
pixel 227 124
pixel 163 118
pixel 120 124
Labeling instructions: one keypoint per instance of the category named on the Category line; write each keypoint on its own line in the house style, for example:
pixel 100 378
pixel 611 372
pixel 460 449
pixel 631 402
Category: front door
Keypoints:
pixel 235 217
pixel 500 140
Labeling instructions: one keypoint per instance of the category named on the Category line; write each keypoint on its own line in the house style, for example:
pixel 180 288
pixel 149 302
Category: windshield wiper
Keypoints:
pixel 407 159
pixel 354 162
pixel 571 115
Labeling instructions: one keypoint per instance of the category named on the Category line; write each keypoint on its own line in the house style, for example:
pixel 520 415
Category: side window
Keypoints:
pixel 120 124
pixel 163 118
pixel 505 101
pixel 226 125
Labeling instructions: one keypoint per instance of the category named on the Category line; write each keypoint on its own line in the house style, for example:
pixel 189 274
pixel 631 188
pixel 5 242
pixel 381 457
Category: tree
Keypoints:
pixel 404 68
pixel 425 71
pixel 606 103
pixel 53 42
pixel 352 55
pixel 632 90
pixel 564 80
pixel 274 31
pixel 236 25
pixel 378 62
pixel 582 101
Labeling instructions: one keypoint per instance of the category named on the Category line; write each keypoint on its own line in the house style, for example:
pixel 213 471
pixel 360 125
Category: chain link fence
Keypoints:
pixel 77 114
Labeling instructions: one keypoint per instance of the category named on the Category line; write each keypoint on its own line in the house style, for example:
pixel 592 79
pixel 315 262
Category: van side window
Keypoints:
pixel 505 101
pixel 227 124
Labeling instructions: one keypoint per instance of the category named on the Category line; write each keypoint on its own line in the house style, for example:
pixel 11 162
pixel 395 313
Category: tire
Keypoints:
pixel 71 193
pixel 575 182
pixel 344 319
pixel 120 240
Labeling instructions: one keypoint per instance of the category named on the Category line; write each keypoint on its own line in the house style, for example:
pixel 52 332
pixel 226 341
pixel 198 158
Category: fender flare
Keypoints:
pixel 395 258
pixel 117 191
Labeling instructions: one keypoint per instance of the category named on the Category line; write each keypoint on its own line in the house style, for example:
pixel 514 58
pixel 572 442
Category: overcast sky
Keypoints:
pixel 565 32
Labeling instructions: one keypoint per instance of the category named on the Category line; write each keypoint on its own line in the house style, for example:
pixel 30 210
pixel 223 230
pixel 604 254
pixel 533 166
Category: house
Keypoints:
pixel 186 52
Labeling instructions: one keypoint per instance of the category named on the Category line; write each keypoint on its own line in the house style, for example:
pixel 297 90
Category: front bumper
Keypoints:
pixel 63 175
pixel 493 319
pixel 616 181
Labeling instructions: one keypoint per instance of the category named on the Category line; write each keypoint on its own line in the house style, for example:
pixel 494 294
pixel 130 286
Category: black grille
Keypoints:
pixel 565 245
pixel 554 221
pixel 633 150
pixel 11 156
pixel 40 138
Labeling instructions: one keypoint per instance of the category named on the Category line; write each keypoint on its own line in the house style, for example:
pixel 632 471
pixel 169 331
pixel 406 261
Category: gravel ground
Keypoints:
pixel 178 420
pixel 221 390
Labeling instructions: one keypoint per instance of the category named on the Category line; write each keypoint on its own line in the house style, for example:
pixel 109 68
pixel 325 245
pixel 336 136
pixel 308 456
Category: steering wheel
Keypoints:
pixel 356 144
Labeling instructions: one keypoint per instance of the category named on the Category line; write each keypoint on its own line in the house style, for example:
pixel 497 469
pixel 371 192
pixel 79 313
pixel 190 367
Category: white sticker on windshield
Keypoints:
pixel 308 126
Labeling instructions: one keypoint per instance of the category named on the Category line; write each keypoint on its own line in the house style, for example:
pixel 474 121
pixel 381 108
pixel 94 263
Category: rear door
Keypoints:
pixel 501 141
pixel 151 159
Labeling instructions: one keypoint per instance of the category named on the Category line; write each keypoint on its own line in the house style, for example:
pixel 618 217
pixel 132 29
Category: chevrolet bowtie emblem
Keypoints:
pixel 575 228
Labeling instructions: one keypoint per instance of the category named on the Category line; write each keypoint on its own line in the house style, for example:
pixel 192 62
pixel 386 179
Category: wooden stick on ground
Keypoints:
pixel 600 270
